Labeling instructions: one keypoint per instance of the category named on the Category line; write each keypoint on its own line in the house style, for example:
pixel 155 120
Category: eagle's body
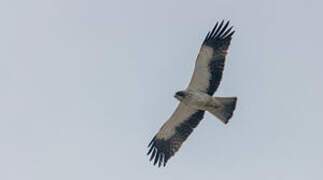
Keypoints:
pixel 197 97
pixel 198 100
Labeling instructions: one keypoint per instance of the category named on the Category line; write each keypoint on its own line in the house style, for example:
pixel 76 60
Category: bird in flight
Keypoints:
pixel 197 97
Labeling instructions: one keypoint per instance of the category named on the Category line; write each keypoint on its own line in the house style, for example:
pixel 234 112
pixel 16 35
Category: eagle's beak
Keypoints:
pixel 175 96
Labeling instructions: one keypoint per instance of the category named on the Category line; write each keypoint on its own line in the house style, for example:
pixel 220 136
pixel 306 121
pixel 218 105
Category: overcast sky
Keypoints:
pixel 85 85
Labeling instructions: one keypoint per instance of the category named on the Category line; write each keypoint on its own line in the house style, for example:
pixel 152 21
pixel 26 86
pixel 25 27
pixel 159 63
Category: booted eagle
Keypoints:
pixel 197 97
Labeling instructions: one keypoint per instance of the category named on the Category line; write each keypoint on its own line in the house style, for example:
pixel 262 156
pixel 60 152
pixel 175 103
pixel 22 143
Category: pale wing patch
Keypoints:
pixel 211 59
pixel 181 114
pixel 201 76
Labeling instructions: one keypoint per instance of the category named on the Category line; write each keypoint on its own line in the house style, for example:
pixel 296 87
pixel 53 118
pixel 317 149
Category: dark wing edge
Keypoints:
pixel 162 150
pixel 219 40
pixel 220 36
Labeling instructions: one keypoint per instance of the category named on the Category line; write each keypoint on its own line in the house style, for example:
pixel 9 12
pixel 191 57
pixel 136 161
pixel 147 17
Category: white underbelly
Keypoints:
pixel 198 101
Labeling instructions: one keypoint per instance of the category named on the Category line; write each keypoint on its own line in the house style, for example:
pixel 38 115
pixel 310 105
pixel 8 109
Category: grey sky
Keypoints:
pixel 85 85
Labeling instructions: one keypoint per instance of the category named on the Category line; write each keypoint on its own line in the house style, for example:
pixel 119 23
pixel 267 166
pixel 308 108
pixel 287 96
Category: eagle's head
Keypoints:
pixel 180 95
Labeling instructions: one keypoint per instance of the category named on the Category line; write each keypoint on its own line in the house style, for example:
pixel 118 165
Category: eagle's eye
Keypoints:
pixel 180 94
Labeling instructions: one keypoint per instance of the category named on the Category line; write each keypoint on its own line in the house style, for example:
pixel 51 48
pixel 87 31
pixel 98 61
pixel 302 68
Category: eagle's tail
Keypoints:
pixel 225 111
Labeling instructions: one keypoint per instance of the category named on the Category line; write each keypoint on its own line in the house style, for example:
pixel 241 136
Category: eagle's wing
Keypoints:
pixel 173 133
pixel 211 58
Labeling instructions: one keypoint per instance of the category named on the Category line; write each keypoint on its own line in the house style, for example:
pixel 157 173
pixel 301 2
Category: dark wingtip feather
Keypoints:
pixel 152 141
pixel 223 29
pixel 153 154
pixel 161 159
pixel 150 149
pixel 207 36
pixel 213 30
pixel 220 35
pixel 157 157
pixel 226 32
pixel 229 35
pixel 218 29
